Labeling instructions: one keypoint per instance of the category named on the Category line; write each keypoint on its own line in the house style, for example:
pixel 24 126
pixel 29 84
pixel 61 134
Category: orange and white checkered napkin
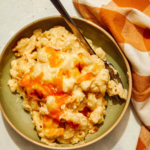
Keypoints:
pixel 129 23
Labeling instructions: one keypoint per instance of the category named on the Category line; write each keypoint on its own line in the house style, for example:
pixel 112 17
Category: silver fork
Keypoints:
pixel 113 74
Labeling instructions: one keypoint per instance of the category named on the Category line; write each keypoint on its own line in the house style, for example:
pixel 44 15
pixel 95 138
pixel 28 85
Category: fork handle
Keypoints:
pixel 63 12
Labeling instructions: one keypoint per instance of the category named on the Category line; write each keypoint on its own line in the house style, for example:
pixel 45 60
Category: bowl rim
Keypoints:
pixel 129 90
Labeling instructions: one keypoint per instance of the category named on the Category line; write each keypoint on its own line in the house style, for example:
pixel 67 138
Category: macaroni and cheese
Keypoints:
pixel 62 85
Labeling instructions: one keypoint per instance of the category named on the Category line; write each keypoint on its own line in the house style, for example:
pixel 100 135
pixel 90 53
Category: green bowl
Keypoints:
pixel 11 104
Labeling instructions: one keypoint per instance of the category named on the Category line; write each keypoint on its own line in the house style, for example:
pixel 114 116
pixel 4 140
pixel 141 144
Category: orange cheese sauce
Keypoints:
pixel 80 55
pixel 27 81
pixel 56 111
pixel 53 133
pixel 49 122
pixel 68 74
pixel 87 76
pixel 51 125
pixel 37 90
pixel 54 57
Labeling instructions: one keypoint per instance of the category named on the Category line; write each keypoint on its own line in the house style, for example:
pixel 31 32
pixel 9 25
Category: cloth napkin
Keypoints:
pixel 129 23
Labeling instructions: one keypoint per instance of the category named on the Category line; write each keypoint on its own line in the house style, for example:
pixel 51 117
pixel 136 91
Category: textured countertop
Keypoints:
pixel 14 14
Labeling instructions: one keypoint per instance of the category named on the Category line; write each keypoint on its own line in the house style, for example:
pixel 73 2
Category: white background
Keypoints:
pixel 14 14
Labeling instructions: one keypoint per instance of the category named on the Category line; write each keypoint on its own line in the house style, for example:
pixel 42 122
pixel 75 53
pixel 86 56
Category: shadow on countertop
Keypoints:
pixel 107 143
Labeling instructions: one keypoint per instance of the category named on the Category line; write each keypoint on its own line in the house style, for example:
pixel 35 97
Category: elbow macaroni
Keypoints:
pixel 62 85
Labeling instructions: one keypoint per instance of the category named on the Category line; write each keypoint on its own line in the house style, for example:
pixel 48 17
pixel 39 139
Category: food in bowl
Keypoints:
pixel 62 85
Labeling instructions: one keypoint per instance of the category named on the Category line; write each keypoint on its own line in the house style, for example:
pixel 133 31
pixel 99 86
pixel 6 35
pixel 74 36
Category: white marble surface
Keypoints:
pixel 14 14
